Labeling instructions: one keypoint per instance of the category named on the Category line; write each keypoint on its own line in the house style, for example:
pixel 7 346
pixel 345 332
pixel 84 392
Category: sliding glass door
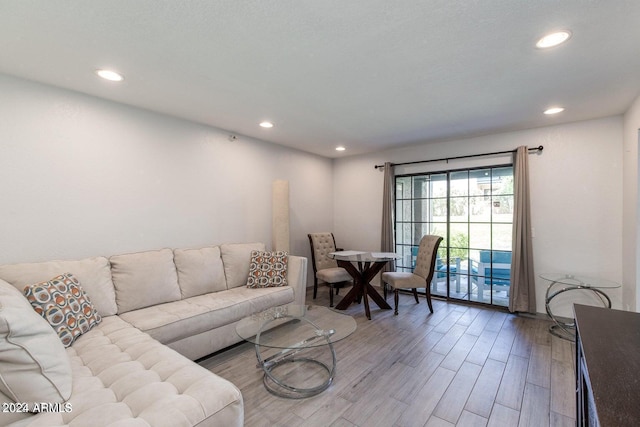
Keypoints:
pixel 472 210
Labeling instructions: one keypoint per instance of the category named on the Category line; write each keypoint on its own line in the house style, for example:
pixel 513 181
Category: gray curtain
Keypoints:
pixel 387 242
pixel 522 296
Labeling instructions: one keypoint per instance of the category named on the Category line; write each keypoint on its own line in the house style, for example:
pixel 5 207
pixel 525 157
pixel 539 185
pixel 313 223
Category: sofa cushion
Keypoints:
pixel 236 257
pixel 93 273
pixel 267 269
pixel 123 377
pixel 177 320
pixel 143 279
pixel 63 303
pixel 33 364
pixel 199 271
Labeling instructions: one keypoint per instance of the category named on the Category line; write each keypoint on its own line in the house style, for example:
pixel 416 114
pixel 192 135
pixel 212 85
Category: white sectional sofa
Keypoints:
pixel 160 310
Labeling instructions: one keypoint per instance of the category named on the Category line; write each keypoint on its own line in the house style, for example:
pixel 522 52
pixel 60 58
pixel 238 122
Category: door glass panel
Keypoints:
pixel 502 209
pixel 459 208
pixel 439 185
pixel 403 233
pixel 459 235
pixel 459 184
pixel 480 182
pixel 472 210
pixel 479 210
pixel 439 209
pixel 403 188
pixel 417 184
pixel 440 229
pixel 405 261
pixel 501 236
pixel 480 236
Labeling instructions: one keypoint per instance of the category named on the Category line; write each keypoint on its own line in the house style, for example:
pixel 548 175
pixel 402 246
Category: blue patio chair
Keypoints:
pixel 491 271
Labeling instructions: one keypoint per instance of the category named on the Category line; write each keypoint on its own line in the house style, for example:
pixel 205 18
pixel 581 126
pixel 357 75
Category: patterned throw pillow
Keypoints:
pixel 268 269
pixel 65 305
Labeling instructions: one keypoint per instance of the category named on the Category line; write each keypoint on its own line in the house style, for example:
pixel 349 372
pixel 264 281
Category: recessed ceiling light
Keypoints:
pixel 553 39
pixel 340 148
pixel 110 75
pixel 553 110
pixel 266 125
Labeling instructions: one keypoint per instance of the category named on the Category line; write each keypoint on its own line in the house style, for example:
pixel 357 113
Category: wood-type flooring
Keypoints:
pixel 460 366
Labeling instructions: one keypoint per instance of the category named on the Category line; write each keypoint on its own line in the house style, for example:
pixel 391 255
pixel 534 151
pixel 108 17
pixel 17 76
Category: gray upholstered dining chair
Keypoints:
pixel 325 269
pixel 422 273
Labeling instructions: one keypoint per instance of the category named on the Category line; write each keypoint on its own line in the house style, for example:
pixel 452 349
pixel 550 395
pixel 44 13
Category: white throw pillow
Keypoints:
pixel 34 366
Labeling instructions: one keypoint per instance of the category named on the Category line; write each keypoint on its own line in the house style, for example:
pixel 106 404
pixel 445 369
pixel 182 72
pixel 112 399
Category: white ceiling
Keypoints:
pixel 366 74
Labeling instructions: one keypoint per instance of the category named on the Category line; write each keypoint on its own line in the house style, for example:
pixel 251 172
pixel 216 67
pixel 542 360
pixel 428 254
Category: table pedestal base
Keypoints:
pixel 278 383
pixel 281 388
pixel 563 329
pixel 361 287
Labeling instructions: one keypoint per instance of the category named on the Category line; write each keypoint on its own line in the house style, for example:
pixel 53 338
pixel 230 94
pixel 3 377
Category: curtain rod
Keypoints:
pixel 536 149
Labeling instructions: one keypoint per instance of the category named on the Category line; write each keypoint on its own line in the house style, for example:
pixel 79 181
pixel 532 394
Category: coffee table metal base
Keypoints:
pixel 280 386
pixel 563 329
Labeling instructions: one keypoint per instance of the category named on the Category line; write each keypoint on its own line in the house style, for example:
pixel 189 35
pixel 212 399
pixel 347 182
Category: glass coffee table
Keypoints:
pixel 294 347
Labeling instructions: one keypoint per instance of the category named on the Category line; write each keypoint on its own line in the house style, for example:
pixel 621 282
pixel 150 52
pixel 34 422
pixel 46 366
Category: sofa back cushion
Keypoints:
pixel 93 273
pixel 34 366
pixel 236 258
pixel 144 279
pixel 200 271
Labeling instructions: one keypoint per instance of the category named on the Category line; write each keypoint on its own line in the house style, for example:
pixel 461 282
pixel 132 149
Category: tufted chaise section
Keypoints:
pixel 122 377
pixel 175 321
pixel 161 310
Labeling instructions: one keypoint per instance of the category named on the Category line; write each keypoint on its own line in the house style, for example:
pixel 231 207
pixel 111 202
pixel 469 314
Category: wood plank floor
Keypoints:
pixel 461 366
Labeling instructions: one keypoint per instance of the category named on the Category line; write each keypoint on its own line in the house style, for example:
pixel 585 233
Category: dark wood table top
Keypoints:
pixel 611 345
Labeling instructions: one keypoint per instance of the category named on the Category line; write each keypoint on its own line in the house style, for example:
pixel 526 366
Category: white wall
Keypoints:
pixel 81 176
pixel 630 250
pixel 576 195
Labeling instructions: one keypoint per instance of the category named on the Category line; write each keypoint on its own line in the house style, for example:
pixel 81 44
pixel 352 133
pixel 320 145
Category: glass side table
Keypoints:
pixel 561 283
pixel 291 344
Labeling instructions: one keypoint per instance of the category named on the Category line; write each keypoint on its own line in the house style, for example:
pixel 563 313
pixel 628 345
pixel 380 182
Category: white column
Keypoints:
pixel 280 215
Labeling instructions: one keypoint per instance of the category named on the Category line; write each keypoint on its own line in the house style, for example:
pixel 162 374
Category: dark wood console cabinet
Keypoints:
pixel 607 367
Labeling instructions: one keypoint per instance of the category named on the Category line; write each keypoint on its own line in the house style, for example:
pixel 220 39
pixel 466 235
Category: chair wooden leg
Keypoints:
pixel 428 296
pixel 396 299
pixel 415 295
pixel 330 296
pixel 315 288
